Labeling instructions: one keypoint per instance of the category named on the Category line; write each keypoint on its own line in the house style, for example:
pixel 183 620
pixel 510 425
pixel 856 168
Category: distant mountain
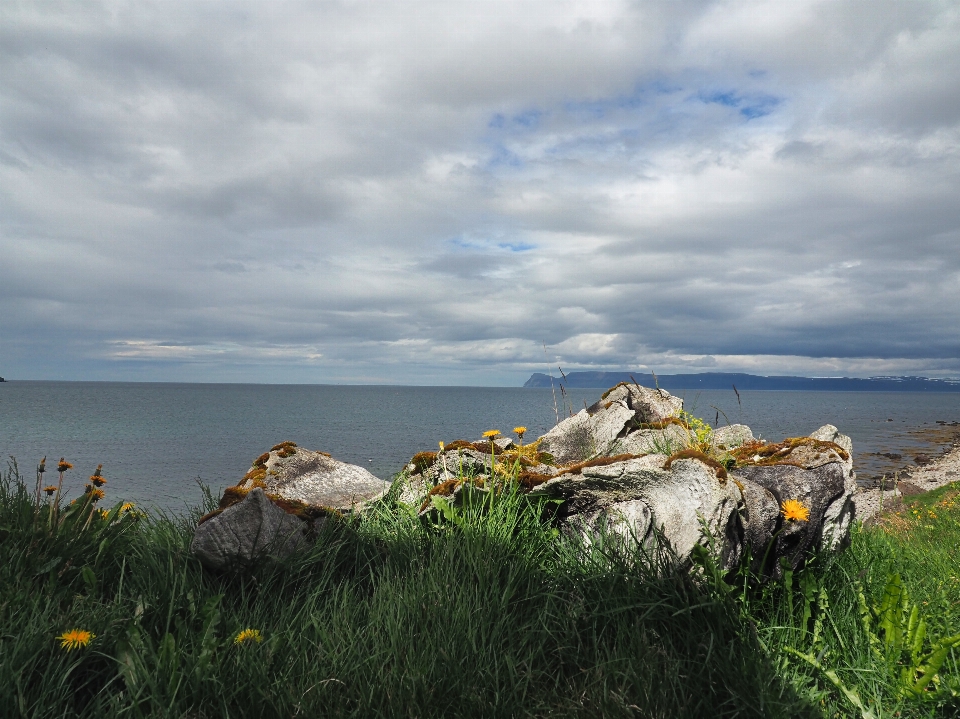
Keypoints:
pixel 725 380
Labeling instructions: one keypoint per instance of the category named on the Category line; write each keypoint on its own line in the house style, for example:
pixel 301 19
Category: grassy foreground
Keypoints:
pixel 488 615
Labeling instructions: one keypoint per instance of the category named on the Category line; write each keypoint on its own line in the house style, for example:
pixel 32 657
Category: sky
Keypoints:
pixel 464 193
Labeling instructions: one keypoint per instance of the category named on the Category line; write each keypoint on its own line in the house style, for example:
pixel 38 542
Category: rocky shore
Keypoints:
pixel 937 473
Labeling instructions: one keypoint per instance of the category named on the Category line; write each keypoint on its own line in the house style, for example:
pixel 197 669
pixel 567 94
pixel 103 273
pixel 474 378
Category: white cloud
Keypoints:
pixel 429 192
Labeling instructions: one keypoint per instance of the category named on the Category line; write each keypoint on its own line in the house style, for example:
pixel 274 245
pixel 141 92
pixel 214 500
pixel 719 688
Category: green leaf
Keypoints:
pixel 52 564
pixel 89 578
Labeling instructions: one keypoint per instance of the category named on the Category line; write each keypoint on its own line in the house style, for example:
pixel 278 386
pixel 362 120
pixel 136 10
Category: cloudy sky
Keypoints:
pixel 468 192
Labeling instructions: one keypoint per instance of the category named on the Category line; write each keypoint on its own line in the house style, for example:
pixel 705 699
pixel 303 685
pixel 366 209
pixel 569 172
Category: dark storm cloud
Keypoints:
pixel 369 192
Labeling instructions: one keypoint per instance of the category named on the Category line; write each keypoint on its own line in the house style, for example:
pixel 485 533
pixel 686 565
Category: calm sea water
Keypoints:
pixel 156 440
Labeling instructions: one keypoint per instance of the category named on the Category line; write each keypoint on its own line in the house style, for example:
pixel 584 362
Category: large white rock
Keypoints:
pixel 318 480
pixel 247 532
pixel 584 435
pixel 682 504
pixel 649 405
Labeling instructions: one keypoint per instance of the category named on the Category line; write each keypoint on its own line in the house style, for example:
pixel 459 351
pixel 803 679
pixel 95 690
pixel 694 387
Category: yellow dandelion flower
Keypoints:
pixel 248 635
pixel 794 509
pixel 50 490
pixel 519 431
pixel 126 507
pixel 76 639
pixel 63 466
pixel 441 445
pixel 491 433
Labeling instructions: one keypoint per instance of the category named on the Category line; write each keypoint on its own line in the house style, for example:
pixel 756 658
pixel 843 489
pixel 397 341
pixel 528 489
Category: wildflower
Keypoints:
pixel 519 431
pixel 126 507
pixel 43 466
pixel 94 492
pixel 248 635
pixel 75 639
pixel 491 433
pixel 63 466
pixel 50 490
pixel 103 513
pixel 98 480
pixel 793 509
pixel 441 445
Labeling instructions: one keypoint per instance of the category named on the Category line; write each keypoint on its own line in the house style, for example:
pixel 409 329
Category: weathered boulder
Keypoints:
pixel 668 440
pixel 275 506
pixel 733 435
pixel 783 499
pixel 815 489
pixel 648 405
pixel 460 462
pixel 246 532
pixel 643 500
pixel 314 479
pixel 628 419
pixel 587 435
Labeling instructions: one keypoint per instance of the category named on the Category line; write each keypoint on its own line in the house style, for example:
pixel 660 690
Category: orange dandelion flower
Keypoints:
pixel 98 480
pixel 95 492
pixel 76 639
pixel 491 433
pixel 42 466
pixel 247 636
pixel 50 490
pixel 794 510
pixel 63 466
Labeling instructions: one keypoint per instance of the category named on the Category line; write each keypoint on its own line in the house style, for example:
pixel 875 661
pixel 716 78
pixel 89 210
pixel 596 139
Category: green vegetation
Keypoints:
pixel 485 611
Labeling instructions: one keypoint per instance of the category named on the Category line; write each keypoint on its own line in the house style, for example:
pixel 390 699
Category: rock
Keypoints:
pixel 649 405
pixel 286 493
pixel 760 517
pixel 658 441
pixel 618 424
pixel 317 480
pixel 821 490
pixel 584 435
pixel 611 499
pixel 247 532
pixel 733 435
pixel 829 433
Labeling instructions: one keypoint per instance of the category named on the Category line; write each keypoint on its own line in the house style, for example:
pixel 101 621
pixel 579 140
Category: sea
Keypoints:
pixel 158 442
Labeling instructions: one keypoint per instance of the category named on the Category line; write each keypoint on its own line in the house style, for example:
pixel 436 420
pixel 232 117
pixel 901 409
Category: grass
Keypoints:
pixel 488 614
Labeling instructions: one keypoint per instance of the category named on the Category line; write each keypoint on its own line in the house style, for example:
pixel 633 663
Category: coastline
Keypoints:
pixel 940 472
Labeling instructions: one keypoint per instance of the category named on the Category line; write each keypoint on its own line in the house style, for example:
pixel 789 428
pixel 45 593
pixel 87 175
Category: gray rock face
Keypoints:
pixel 656 441
pixel 817 489
pixel 318 480
pixel 732 436
pixel 269 512
pixel 760 517
pixel 614 425
pixel 630 499
pixel 648 405
pixel 247 532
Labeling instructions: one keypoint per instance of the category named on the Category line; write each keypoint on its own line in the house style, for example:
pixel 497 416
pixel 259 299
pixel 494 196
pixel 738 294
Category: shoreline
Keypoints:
pixel 942 471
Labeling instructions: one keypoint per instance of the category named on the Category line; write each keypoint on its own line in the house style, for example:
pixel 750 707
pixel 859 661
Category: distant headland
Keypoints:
pixel 726 380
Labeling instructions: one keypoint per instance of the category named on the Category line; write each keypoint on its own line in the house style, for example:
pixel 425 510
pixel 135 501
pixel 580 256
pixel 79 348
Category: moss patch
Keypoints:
pixel 721 471
pixel 760 454
pixel 423 460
